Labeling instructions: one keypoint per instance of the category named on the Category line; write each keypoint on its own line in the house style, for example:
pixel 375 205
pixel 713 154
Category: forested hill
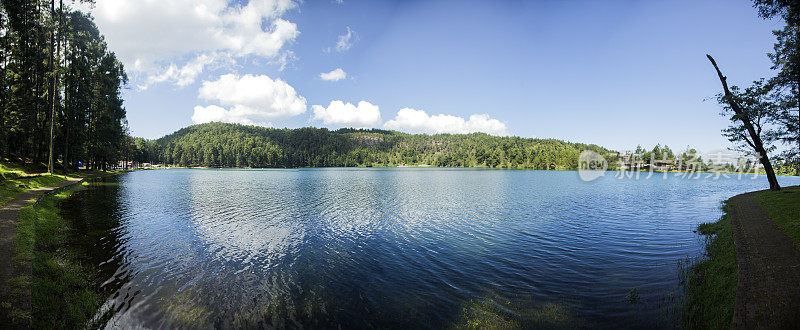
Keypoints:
pixel 234 145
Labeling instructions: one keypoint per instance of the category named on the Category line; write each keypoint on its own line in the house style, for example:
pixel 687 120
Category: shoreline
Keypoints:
pixel 452 168
pixel 747 275
pixel 29 231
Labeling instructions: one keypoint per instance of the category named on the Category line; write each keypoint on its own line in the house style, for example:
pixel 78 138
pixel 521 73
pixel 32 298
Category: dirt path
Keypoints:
pixel 768 290
pixel 9 213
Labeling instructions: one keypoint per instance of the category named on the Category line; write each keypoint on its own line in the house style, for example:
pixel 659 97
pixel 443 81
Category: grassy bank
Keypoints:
pixel 783 207
pixel 16 179
pixel 63 288
pixel 10 170
pixel 62 294
pixel 11 187
pixel 710 280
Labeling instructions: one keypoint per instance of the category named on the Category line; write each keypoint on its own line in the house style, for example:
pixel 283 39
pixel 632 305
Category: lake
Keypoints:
pixel 393 247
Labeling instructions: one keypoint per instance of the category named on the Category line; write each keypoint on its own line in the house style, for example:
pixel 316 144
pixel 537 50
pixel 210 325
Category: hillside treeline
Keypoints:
pixel 233 145
pixel 58 77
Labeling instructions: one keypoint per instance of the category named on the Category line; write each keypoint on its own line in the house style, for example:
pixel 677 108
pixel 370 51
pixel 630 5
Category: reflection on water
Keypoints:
pixel 391 247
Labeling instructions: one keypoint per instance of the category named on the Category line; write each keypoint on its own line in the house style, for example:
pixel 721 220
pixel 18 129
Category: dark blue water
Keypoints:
pixel 426 248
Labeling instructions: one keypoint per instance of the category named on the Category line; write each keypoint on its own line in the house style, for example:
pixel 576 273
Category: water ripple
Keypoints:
pixel 389 247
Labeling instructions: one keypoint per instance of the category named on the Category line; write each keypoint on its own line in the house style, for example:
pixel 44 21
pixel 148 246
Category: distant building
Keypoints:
pixel 663 165
pixel 625 161
pixel 633 162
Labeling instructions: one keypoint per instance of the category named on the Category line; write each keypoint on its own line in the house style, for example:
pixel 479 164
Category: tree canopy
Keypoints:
pixel 56 69
pixel 234 145
pixel 784 87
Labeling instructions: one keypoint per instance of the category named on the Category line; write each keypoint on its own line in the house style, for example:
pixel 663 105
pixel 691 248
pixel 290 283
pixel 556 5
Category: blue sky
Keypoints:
pixel 614 73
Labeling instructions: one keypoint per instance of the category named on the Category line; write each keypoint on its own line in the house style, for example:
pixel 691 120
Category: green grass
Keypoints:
pixel 783 207
pixel 17 179
pixel 710 280
pixel 11 187
pixel 11 171
pixel 62 293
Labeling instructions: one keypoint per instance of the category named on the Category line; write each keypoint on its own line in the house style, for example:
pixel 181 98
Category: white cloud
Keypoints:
pixel 249 98
pixel 159 39
pixel 365 115
pixel 344 41
pixel 213 113
pixel 185 75
pixel 417 121
pixel 284 59
pixel 334 75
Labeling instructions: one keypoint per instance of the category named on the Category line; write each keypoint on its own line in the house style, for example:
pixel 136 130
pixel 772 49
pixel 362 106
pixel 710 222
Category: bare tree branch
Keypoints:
pixel 757 144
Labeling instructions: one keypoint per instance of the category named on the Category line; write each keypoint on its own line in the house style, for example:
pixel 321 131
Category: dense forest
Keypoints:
pixel 59 88
pixel 234 145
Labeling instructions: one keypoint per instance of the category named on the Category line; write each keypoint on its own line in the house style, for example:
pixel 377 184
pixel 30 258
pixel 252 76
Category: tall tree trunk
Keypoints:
pixel 39 128
pixel 53 98
pixel 65 162
pixel 757 143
